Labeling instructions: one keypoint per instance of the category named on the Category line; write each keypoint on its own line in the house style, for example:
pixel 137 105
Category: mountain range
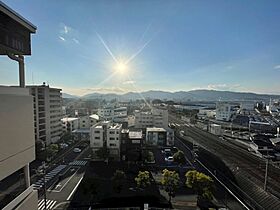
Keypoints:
pixel 193 95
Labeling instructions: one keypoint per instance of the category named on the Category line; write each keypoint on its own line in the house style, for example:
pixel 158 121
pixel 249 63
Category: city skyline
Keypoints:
pixel 166 45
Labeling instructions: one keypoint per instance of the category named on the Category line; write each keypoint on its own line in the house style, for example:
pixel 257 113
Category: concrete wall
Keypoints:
pixel 17 142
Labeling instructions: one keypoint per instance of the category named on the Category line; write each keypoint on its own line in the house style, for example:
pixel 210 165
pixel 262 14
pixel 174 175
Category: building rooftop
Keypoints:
pixel 17 17
pixel 135 134
pixel 94 116
pixel 155 129
pixel 69 119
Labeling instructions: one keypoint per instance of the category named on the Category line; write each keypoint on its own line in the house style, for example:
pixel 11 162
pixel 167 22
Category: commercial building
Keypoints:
pixel 153 118
pixel 47 113
pixel 113 113
pixel 17 143
pixel 225 111
pixel 106 135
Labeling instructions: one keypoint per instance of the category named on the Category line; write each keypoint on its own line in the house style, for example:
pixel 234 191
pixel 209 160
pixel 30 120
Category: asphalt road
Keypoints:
pixel 63 185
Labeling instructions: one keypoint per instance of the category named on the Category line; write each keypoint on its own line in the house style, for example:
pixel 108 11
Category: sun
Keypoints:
pixel 121 67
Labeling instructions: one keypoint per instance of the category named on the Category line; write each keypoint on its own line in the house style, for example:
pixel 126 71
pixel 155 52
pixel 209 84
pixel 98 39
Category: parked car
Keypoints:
pixel 77 150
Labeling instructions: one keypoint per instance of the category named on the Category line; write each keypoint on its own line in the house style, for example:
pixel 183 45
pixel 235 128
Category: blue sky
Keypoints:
pixel 173 45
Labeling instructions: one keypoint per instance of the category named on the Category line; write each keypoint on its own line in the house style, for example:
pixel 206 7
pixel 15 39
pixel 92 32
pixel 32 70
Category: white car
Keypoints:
pixel 77 150
pixel 169 159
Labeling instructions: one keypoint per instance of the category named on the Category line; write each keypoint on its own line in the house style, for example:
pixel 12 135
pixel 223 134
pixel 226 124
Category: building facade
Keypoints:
pixel 106 135
pixel 153 118
pixel 156 137
pixel 70 124
pixel 225 111
pixel 17 142
pixel 113 113
pixel 47 104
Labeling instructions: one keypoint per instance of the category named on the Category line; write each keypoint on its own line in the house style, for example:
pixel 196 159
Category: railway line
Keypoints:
pixel 249 170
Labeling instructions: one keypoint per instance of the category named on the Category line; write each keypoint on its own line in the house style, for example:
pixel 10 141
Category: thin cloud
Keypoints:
pixel 61 38
pixel 277 67
pixel 129 82
pixel 66 29
pixel 223 86
pixel 76 41
pixel 106 90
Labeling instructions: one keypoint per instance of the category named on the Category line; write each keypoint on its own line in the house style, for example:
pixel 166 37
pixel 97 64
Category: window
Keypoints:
pixel 112 145
pixel 96 131
pixel 112 138
pixel 97 137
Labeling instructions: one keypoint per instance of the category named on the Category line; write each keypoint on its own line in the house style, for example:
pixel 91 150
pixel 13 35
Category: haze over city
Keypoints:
pixel 83 46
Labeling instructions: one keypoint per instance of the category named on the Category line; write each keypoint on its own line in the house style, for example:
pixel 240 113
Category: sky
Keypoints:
pixel 131 45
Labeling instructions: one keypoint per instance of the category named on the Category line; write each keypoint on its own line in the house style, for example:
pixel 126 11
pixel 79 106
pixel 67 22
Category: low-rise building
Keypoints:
pixel 106 135
pixel 113 113
pixel 70 124
pixel 225 110
pixel 153 118
pixel 86 121
pixel 215 129
pixel 206 113
pixel 156 136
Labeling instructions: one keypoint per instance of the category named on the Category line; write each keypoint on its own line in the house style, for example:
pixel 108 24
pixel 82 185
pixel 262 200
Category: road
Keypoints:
pixel 62 185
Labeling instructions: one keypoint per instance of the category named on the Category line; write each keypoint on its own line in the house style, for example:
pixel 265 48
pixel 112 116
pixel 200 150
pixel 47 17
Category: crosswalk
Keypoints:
pixel 78 163
pixel 49 203
pixel 40 183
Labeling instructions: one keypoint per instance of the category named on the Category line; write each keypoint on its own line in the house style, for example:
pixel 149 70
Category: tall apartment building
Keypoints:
pixel 17 144
pixel 106 134
pixel 47 103
pixel 153 118
pixel 225 111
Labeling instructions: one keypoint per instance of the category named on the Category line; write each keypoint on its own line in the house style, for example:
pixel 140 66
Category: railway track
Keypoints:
pixel 247 168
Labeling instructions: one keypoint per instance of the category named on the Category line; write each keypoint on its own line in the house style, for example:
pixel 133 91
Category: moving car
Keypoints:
pixel 77 150
pixel 169 159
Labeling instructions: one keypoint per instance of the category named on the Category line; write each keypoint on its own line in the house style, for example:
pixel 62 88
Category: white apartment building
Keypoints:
pixel 225 111
pixel 113 113
pixel 85 122
pixel 70 124
pixel 17 143
pixel 106 134
pixel 154 118
pixel 47 113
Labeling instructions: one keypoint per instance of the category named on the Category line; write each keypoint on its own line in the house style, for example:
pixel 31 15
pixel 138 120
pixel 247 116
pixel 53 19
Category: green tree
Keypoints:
pixel 149 156
pixel 179 157
pixel 51 150
pixel 170 181
pixel 118 180
pixel 143 179
pixel 201 183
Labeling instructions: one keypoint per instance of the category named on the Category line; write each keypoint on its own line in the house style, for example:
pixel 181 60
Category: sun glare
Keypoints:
pixel 121 67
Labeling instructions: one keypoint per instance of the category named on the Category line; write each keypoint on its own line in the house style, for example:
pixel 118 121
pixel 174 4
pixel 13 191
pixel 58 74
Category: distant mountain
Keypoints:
pixel 193 95
pixel 66 95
